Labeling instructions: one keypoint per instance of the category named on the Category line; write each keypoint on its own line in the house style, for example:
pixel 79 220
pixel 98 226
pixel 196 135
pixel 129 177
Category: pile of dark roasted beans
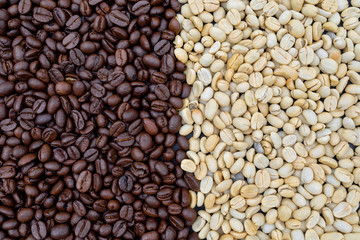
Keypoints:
pixel 89 92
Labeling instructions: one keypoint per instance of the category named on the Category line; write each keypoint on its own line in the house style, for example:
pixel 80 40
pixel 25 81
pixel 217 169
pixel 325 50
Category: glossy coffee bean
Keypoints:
pixel 88 119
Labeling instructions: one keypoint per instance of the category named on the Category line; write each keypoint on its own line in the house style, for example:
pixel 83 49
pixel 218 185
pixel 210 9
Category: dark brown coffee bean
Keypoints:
pixel 42 15
pixel 84 181
pixel 90 89
pixel 38 230
pixel 150 126
pixel 6 88
pixel 55 75
pixel 151 61
pixel 125 140
pixel 158 77
pixel 73 23
pixel 135 127
pixel 118 18
pixel 71 40
pixel 167 64
pixel 63 88
pixel 159 106
pixel 121 57
pixel 94 2
pixel 177 222
pixel 85 8
pixel 82 228
pixel 24 6
pixel 174 124
pixel 98 90
pixel 162 47
pixel 119 228
pixel 141 7
pixel 192 182
pixel 7 172
pixel 162 92
pixel 126 183
pixel 78 119
pixel 127 212
pixel 88 47
pixel 77 57
pixel 99 24
pixel 174 26
pixel 60 231
pixel 150 235
pixel 25 215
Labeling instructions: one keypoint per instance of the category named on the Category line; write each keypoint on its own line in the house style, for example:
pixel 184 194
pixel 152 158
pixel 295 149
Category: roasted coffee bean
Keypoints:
pixel 126 183
pixel 118 18
pixel 119 228
pixel 167 64
pixel 140 8
pixel 77 57
pixel 73 23
pixel 151 61
pixel 121 57
pixel 60 231
pixel 39 230
pixel 6 88
pixel 127 212
pixel 24 6
pixel 162 92
pixel 83 182
pixel 82 228
pixel 71 40
pixel 42 15
pixel 162 47
pixel 192 182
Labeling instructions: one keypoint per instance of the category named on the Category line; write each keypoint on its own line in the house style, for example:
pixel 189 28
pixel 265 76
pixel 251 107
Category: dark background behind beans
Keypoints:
pixel 88 121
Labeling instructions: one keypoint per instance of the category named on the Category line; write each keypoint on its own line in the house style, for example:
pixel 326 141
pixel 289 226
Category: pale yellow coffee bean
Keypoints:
pixel 234 17
pixel 211 5
pixel 257 4
pixel 270 201
pixel 329 5
pixel 234 4
pixel 342 210
pixel 188 165
pixel 262 178
pixel 196 6
pixel 181 55
pixel 237 202
pixel 222 99
pixel 280 56
pixel 224 185
pixel 296 28
pixel 328 65
pixel 217 34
